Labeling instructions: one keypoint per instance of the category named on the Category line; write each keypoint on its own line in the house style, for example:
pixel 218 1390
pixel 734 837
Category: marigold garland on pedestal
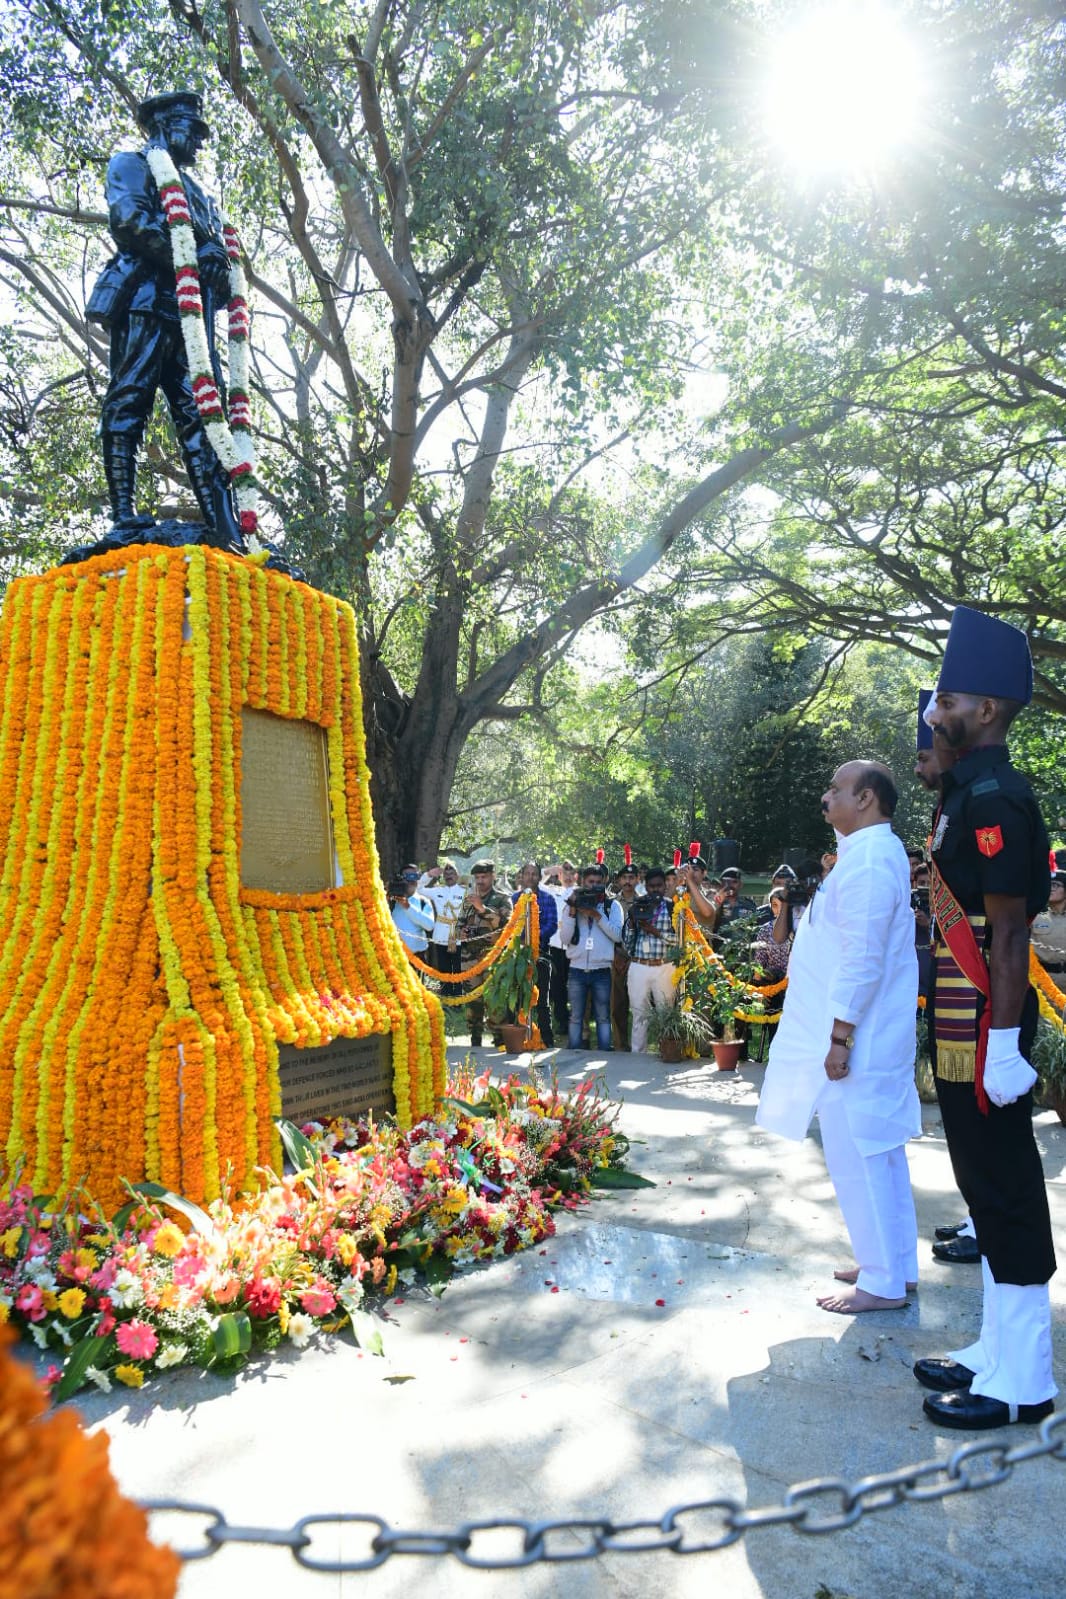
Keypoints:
pixel 145 991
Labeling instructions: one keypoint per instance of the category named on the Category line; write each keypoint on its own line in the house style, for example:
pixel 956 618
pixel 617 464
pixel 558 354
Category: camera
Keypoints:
pixel 802 890
pixel 644 910
pixel 920 901
pixel 588 899
pixel 399 888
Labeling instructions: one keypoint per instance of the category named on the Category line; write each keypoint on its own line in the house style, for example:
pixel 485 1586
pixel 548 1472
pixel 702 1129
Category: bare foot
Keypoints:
pixel 850 1274
pixel 858 1300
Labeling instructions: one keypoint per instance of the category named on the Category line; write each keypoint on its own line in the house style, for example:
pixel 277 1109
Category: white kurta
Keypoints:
pixel 853 958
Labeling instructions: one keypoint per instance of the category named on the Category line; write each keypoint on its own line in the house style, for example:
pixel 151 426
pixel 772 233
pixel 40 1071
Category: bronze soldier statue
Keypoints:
pixel 135 299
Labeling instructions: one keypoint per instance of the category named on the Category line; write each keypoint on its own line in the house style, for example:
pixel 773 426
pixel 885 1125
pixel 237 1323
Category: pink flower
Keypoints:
pixel 30 1301
pixel 187 1268
pixel 136 1339
pixel 317 1301
pixel 106 1323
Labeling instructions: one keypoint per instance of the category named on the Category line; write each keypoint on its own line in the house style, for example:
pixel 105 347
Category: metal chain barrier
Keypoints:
pixel 824 1504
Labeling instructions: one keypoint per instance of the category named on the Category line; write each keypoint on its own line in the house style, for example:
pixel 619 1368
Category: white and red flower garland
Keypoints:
pixel 231 439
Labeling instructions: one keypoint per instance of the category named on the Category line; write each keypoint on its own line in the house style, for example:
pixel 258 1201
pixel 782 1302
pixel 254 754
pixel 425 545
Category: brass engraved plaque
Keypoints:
pixel 286 833
pixel 344 1078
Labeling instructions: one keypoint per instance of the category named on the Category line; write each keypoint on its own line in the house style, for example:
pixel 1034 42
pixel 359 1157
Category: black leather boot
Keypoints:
pixel 120 469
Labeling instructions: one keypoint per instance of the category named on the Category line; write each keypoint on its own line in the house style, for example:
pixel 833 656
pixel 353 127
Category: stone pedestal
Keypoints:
pixel 189 880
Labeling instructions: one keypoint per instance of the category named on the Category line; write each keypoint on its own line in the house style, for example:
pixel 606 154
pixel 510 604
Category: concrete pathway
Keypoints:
pixel 555 1384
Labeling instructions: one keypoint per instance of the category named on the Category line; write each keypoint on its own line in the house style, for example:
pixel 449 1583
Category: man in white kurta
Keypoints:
pixel 845 1044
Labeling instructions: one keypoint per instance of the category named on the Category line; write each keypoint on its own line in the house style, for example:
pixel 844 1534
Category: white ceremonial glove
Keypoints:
pixel 1008 1075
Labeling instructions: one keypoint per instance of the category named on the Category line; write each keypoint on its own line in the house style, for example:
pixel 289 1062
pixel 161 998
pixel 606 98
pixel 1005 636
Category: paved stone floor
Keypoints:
pixel 505 1397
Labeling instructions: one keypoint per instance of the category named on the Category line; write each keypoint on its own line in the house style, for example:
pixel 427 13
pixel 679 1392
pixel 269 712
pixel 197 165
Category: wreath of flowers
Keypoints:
pixel 231 438
pixel 370 1208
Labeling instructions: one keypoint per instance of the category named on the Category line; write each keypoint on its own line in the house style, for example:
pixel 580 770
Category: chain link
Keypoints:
pixel 695 1528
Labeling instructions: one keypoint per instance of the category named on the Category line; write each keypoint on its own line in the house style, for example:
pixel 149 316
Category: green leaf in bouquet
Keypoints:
pixel 367 1333
pixel 120 1220
pixel 298 1146
pixel 232 1336
pixel 199 1220
pixel 617 1177
pixel 81 1357
pixel 481 1109
pixel 437 1271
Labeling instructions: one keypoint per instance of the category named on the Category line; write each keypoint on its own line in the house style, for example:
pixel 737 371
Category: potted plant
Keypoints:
pixel 671 1028
pixel 1049 1059
pixel 509 996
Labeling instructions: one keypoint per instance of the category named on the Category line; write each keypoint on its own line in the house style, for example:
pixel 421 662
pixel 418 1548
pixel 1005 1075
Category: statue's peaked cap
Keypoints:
pixel 156 109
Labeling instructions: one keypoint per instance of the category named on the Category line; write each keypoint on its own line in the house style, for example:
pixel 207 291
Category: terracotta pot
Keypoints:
pixel 671 1050
pixel 726 1054
pixel 515 1038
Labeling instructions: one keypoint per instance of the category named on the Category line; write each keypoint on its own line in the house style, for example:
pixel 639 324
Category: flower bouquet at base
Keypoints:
pixel 366 1208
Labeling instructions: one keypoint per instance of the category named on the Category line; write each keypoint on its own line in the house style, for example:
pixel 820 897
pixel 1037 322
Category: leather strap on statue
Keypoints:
pixel 961 976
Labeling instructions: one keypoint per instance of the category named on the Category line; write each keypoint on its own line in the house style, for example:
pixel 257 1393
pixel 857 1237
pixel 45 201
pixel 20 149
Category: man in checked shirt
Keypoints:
pixel 650 942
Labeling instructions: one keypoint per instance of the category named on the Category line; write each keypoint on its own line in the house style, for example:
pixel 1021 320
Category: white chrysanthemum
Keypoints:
pixel 350 1293
pixel 62 1332
pixel 98 1378
pixel 126 1290
pixel 171 1355
pixel 301 1329
pixel 408 1276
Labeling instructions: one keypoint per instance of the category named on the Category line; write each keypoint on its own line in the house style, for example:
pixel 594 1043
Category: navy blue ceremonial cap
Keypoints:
pixel 182 102
pixel 986 656
pixel 923 739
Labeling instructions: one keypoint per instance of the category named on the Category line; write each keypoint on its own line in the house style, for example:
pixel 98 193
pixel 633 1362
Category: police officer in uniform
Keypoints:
pixel 135 300
pixel 989 855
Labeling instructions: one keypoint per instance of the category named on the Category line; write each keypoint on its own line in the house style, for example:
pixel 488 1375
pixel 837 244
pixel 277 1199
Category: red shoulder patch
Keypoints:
pixel 989 840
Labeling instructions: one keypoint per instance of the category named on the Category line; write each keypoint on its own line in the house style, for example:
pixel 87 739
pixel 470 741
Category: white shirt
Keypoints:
pixel 602 934
pixel 560 895
pixel 446 902
pixel 853 958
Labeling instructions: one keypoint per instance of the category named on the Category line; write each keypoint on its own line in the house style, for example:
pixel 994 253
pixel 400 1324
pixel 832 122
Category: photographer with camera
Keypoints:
pixel 411 912
pixel 790 894
pixel 651 944
pixel 590 926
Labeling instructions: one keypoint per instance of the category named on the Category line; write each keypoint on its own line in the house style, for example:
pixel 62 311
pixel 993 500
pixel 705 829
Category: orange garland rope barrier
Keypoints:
pixel 1042 982
pixel 505 939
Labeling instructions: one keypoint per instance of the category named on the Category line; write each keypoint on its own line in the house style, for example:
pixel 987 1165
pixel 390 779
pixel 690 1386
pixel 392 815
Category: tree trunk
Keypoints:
pixel 413 747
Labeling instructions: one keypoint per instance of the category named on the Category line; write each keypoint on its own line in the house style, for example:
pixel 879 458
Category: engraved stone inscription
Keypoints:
pixel 344 1078
pixel 286 834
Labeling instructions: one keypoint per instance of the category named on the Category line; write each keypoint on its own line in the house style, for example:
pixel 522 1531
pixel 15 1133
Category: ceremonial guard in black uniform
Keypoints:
pixel 135 300
pixel 989 855
pixel 956 1242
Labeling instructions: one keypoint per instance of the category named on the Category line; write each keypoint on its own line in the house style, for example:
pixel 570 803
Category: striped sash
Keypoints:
pixel 960 975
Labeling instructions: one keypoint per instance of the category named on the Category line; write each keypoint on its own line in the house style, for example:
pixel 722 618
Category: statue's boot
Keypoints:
pixel 210 484
pixel 120 469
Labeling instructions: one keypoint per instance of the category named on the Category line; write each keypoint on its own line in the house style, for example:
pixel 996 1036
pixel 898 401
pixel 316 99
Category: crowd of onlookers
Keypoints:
pixel 608 944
